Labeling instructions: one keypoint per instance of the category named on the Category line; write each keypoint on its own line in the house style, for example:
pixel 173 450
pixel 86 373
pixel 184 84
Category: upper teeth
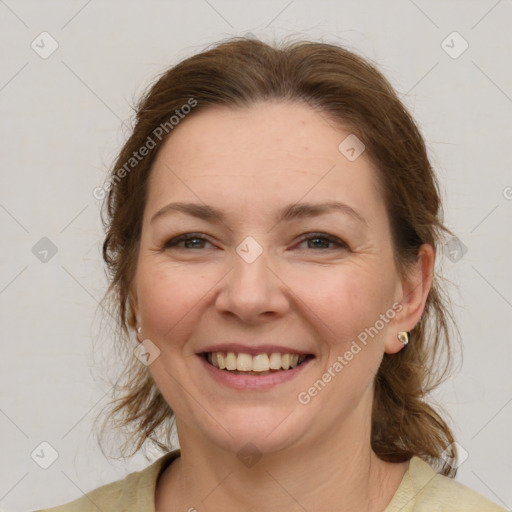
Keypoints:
pixel 258 363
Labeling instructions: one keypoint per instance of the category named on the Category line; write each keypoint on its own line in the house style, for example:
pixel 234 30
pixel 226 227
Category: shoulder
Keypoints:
pixel 135 492
pixel 424 490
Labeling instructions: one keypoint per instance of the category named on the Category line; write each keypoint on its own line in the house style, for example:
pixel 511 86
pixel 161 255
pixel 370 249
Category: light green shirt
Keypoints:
pixel 421 490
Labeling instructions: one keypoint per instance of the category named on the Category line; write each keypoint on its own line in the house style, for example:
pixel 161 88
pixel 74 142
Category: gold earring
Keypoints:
pixel 403 336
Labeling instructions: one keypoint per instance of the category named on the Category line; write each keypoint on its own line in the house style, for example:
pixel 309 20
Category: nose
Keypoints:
pixel 253 290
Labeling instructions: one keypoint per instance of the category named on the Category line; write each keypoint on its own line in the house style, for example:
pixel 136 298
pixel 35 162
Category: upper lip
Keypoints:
pixel 252 349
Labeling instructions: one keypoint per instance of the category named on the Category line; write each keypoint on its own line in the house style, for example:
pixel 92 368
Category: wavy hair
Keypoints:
pixel 349 91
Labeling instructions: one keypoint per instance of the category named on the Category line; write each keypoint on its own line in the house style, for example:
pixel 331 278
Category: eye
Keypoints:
pixel 191 241
pixel 322 240
pixel 197 241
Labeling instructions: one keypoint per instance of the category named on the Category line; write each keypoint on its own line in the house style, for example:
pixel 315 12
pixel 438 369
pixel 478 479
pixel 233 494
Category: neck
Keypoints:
pixel 341 473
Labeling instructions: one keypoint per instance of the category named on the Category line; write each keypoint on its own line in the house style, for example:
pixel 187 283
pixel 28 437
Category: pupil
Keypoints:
pixel 321 240
pixel 188 242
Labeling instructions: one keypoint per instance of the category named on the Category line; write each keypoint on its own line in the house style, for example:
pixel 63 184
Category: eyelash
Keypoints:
pixel 173 242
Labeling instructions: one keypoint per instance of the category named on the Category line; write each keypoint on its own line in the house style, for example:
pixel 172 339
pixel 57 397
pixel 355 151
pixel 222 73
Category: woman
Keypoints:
pixel 272 225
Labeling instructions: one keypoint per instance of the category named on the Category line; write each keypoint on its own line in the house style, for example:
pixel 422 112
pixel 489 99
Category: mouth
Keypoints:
pixel 254 365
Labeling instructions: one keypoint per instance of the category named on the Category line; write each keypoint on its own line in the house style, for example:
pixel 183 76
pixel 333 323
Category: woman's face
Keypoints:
pixel 267 269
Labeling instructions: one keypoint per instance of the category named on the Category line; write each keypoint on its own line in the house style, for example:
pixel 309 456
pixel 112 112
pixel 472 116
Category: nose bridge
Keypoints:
pixel 250 268
pixel 251 287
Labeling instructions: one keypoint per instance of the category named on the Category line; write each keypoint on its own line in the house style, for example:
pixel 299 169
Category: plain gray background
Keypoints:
pixel 61 125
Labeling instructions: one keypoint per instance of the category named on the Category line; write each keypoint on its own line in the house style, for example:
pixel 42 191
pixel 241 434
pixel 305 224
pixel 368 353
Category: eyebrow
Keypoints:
pixel 288 213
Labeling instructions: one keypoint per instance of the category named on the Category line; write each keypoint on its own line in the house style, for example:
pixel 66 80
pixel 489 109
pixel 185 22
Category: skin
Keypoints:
pixel 312 295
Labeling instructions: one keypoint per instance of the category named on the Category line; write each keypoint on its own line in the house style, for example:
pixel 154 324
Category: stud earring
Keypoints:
pixel 139 329
pixel 403 336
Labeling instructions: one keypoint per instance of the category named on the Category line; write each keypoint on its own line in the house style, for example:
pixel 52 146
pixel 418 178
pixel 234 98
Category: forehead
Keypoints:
pixel 265 131
pixel 268 152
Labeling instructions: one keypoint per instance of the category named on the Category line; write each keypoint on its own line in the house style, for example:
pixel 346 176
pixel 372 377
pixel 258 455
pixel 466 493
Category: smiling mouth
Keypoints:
pixel 259 364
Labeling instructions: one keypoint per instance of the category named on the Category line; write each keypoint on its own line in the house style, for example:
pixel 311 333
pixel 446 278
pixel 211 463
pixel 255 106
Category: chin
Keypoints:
pixel 267 430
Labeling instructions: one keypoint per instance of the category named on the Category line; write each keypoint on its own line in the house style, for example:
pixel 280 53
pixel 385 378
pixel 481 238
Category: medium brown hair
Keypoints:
pixel 348 91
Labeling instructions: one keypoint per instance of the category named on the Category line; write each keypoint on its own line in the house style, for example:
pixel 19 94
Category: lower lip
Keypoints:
pixel 253 382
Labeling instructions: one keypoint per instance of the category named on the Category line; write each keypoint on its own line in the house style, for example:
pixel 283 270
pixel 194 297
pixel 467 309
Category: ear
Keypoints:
pixel 413 292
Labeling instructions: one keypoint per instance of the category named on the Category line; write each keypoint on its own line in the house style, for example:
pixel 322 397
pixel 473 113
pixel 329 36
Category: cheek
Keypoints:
pixel 344 300
pixel 169 295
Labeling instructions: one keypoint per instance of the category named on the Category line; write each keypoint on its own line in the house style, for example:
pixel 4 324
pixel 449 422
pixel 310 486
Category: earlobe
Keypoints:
pixel 415 287
pixel 403 337
pixel 398 343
